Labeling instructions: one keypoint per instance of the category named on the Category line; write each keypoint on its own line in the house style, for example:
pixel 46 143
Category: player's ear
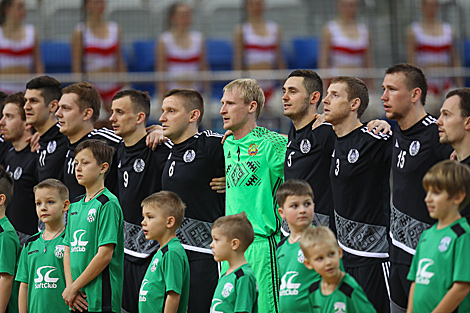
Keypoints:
pixel 3 198
pixel 308 264
pixel 252 107
pixel 281 212
pixel 235 243
pixel 356 103
pixel 415 95
pixel 170 222
pixel 467 123
pixel 104 167
pixel 53 106
pixel 195 114
pixel 315 98
pixel 87 114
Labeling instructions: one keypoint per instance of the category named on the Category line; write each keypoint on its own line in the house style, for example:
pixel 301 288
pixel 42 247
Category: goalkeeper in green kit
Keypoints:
pixel 254 165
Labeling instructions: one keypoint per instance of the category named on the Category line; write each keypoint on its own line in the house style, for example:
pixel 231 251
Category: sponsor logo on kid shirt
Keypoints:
pixel 288 287
pixel 215 303
pixel 78 244
pixel 43 279
pixel 423 276
pixel 143 293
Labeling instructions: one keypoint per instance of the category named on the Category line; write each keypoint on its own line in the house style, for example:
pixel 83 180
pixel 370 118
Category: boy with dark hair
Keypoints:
pixel 439 271
pixel 416 148
pixel 94 251
pixel 139 175
pixel 9 248
pixel 22 165
pixel 165 287
pixel 295 199
pixel 336 291
pixel 41 102
pixel 359 175
pixel 195 159
pixel 79 108
pixel 236 290
pixel 41 266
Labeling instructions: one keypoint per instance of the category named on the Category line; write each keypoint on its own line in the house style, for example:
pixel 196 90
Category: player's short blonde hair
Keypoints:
pixel 249 91
pixel 236 226
pixel 450 176
pixel 54 184
pixel 169 202
pixel 316 235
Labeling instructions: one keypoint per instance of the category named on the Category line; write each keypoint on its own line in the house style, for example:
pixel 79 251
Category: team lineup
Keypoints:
pixel 336 216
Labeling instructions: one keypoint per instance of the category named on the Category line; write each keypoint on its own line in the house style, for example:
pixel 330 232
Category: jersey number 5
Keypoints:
pixel 289 159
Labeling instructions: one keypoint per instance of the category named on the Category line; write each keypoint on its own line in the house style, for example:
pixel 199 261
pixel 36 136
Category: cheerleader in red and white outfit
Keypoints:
pixel 258 44
pixel 19 47
pixel 96 49
pixel 179 50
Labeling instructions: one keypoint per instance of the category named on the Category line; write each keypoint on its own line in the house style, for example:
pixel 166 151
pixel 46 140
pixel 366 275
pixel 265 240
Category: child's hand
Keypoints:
pixel 80 303
pixel 69 295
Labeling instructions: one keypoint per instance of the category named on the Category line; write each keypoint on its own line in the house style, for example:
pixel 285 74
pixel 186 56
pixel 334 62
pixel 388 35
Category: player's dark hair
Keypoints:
pixel 18 100
pixel 102 152
pixel 312 82
pixel 140 101
pixel 355 88
pixel 450 176
pixel 50 88
pixel 191 100
pixel 316 235
pixel 169 202
pixel 3 96
pixel 6 185
pixel 88 97
pixel 464 95
pixel 293 187
pixel 414 78
pixel 236 226
pixel 55 184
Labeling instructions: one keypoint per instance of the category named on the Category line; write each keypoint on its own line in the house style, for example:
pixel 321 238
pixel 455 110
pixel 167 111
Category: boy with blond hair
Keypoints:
pixel 440 265
pixel 9 248
pixel 165 287
pixel 94 240
pixel 41 267
pixel 236 290
pixel 295 199
pixel 336 291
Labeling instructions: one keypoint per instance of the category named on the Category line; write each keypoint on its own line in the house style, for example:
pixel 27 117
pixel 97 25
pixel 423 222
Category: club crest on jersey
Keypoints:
pixel 59 251
pixel 353 156
pixel 444 245
pixel 154 265
pixel 305 146
pixel 139 165
pixel 414 148
pixel 340 307
pixel 189 156
pixel 253 149
pixel 228 287
pixel 91 215
pixel 300 257
pixel 51 146
pixel 17 173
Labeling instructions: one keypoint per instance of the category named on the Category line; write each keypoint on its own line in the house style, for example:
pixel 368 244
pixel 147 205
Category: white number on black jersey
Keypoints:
pixel 171 170
pixel 71 166
pixel 125 176
pixel 337 167
pixel 42 158
pixel 401 159
pixel 289 159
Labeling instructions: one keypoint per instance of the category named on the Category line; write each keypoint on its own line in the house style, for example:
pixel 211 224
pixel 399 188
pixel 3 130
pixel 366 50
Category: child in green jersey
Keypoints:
pixel 336 291
pixel 165 287
pixel 236 290
pixel 9 248
pixel 439 271
pixel 41 266
pixel 94 239
pixel 295 199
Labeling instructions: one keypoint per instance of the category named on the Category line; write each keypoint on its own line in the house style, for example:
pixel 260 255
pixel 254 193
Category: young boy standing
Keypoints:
pixel 165 287
pixel 9 248
pixel 94 248
pixel 41 267
pixel 295 199
pixel 440 265
pixel 336 291
pixel 236 290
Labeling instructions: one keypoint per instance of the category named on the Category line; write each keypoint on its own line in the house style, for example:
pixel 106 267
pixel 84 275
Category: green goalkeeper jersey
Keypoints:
pixel 254 167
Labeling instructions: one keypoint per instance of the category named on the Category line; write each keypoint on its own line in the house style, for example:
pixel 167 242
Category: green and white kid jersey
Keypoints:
pixel 347 298
pixel 90 225
pixel 441 259
pixel 9 253
pixel 295 278
pixel 41 266
pixel 169 271
pixel 254 168
pixel 236 292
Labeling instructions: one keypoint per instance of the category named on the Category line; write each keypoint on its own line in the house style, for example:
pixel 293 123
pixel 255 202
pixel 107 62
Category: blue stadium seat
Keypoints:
pixel 144 61
pixel 56 56
pixel 219 58
pixel 305 52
